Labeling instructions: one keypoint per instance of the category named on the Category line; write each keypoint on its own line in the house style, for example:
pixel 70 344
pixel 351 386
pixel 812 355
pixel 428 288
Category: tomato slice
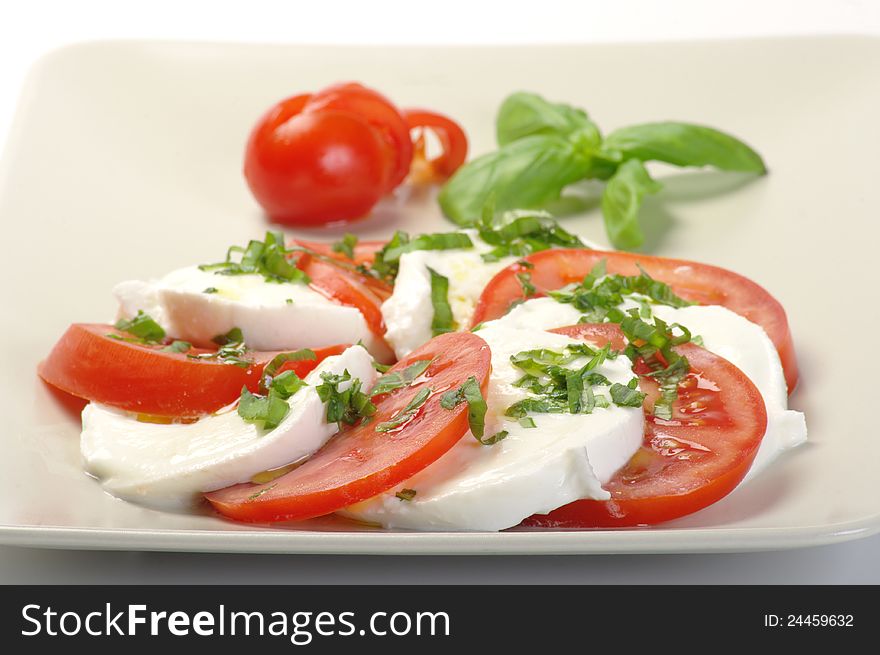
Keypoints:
pixel 701 283
pixel 348 288
pixel 147 379
pixel 452 139
pixel 364 251
pixel 686 463
pixel 379 112
pixel 360 462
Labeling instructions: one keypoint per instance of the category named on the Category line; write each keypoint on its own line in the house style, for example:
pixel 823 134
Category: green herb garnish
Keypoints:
pixel 443 321
pixel 470 393
pixel 211 290
pixel 282 358
pixel 520 233
pixel 598 295
pixel 142 327
pixel 387 260
pixel 406 414
pixel 347 406
pixel 268 258
pixel 399 379
pixel 406 494
pixel 558 389
pixel 270 409
pixel 525 282
pixel 544 147
pixel 232 349
pixel 346 245
pixel 177 347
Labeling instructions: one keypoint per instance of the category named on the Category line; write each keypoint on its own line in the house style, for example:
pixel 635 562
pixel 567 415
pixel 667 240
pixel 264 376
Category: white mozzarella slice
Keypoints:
pixel 408 312
pixel 271 315
pixel 169 465
pixel 533 470
pixel 743 343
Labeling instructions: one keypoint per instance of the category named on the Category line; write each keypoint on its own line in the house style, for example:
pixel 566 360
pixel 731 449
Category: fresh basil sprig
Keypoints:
pixel 544 147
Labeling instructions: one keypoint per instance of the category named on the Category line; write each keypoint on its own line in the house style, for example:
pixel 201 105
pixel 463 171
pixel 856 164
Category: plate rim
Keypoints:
pixel 273 541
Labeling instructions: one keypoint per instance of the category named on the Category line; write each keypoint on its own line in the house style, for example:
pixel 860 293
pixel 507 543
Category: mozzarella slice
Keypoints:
pixel 408 312
pixel 741 342
pixel 533 470
pixel 271 315
pixel 170 465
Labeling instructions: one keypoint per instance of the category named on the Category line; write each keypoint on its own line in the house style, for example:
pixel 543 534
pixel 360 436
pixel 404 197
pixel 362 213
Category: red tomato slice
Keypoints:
pixel 364 251
pixel 360 463
pixel 141 378
pixel 701 283
pixel 685 463
pixel 379 112
pixel 452 138
pixel 348 288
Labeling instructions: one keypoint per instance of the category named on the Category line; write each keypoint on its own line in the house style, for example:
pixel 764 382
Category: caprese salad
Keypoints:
pixel 479 379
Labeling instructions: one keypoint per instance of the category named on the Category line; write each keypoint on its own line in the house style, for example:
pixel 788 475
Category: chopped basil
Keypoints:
pixel 282 358
pixel 406 414
pixel 558 389
pixel 347 406
pixel 231 351
pixel 493 439
pixel 142 327
pixel 443 321
pixel 211 290
pixel 406 494
pixel 519 233
pixel 346 245
pixel 260 492
pixel 598 295
pixel 380 367
pixel 387 261
pixel 268 258
pixel 399 379
pixel 177 347
pixel 270 407
pixel 626 396
pixel 288 301
pixel 527 422
pixel 268 411
pixel 654 344
pixel 525 281
pixel 234 335
pixel 470 392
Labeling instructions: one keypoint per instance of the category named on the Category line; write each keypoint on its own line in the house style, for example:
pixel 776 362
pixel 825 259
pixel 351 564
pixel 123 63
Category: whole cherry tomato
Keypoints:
pixel 329 157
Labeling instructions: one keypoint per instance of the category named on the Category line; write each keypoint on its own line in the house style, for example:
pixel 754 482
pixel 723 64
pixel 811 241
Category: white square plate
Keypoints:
pixel 124 162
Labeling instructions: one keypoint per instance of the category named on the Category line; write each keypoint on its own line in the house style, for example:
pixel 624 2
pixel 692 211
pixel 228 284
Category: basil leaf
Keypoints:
pixel 470 392
pixel 346 245
pixel 282 358
pixel 267 258
pixel 685 144
pixel 267 410
pixel 347 406
pixel 443 321
pixel 438 241
pixel 526 173
pixel 177 346
pixel 406 414
pixel 621 201
pixel 624 396
pixel 525 114
pixel 399 379
pixel 141 326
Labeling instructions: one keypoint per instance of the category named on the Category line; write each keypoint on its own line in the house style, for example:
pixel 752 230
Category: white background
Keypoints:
pixel 32 28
